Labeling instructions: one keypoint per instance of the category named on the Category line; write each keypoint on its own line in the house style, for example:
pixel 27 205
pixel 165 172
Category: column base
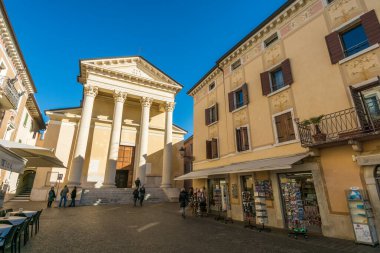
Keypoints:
pixel 108 185
pixel 72 184
pixel 166 186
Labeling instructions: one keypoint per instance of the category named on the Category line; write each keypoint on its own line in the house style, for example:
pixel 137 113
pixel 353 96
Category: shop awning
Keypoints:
pixel 35 156
pixel 277 163
pixel 11 161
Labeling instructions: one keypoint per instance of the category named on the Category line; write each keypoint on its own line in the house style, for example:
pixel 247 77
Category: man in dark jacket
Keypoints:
pixel 183 200
pixel 141 194
pixel 135 196
pixel 51 197
pixel 137 183
pixel 73 196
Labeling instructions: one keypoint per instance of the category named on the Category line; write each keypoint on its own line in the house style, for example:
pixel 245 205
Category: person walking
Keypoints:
pixel 63 194
pixel 135 195
pixel 183 200
pixel 73 196
pixel 51 197
pixel 137 183
pixel 141 194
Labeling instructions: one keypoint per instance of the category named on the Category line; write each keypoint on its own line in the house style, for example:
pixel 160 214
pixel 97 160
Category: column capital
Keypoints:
pixel 119 96
pixel 146 101
pixel 90 90
pixel 169 106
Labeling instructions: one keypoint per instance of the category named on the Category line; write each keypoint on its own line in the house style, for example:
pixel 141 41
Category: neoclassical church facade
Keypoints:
pixel 122 130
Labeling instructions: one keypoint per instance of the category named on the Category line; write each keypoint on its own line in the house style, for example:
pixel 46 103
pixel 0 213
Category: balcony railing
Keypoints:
pixel 9 90
pixel 339 126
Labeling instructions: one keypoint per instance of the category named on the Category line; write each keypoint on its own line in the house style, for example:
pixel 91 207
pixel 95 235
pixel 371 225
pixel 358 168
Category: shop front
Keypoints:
pixel 218 196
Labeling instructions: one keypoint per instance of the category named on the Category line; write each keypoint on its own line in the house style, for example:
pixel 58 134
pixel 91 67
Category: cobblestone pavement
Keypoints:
pixel 160 228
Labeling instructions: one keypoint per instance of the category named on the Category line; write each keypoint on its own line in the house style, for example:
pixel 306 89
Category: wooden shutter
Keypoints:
pixel 371 27
pixel 231 101
pixel 238 140
pixel 207 116
pixel 244 138
pixel 214 147
pixel 265 83
pixel 280 127
pixel 208 149
pixel 287 72
pixel 244 89
pixel 291 135
pixel 216 112
pixel 334 46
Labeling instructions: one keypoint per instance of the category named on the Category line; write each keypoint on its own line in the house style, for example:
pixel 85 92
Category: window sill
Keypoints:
pixel 285 143
pixel 243 152
pixel 213 123
pixel 240 108
pixel 278 91
pixel 368 49
pixel 213 159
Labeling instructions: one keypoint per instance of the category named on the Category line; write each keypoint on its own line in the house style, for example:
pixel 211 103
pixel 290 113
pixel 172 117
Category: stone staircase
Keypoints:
pixel 23 196
pixel 104 196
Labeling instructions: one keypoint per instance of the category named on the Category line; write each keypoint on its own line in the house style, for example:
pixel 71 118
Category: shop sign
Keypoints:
pixel 6 164
pixel 234 191
pixel 362 233
pixel 60 176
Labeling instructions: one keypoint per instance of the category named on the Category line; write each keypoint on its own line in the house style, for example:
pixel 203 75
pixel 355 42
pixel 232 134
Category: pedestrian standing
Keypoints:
pixel 63 194
pixel 51 197
pixel 73 196
pixel 183 201
pixel 137 183
pixel 135 196
pixel 141 194
pixel 202 202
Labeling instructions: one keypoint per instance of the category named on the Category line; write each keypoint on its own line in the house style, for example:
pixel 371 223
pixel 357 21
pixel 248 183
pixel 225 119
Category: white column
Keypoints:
pixel 113 149
pixel 168 145
pixel 146 102
pixel 90 93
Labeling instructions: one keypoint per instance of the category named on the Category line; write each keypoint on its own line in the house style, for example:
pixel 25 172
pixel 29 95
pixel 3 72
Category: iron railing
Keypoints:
pixel 342 125
pixel 10 92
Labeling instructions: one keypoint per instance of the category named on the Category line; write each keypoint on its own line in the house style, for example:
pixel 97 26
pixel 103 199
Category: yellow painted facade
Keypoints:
pixel 318 88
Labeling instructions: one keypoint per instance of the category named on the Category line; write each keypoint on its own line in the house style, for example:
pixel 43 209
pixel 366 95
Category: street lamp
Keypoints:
pixel 182 152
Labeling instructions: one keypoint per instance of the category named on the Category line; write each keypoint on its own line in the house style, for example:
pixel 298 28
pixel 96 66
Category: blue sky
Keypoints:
pixel 183 38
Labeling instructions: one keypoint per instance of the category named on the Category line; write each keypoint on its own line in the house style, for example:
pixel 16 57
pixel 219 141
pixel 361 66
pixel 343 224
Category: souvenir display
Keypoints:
pixel 264 186
pixel 261 209
pixel 248 209
pixel 362 217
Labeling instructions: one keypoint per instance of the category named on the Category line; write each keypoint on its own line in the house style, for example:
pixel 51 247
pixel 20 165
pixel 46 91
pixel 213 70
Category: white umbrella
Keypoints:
pixel 36 156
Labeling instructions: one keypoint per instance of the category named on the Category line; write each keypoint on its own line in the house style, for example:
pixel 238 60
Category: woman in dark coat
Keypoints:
pixel 51 197
pixel 183 200
pixel 135 196
pixel 73 196
pixel 142 194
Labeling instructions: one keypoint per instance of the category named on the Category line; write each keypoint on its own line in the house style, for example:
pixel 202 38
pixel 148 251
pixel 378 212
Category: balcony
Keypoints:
pixel 342 126
pixel 9 96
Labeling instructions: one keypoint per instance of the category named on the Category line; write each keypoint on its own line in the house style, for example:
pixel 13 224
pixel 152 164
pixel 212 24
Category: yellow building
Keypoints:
pixel 123 130
pixel 256 124
pixel 20 117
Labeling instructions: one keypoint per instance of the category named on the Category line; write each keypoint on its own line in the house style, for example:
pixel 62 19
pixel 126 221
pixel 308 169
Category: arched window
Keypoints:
pixel 377 178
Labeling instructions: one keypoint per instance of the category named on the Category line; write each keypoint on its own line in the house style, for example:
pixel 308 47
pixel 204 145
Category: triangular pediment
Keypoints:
pixel 134 66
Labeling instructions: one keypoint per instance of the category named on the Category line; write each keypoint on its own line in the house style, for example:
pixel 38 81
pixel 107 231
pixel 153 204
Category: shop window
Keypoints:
pixel 238 97
pixel 285 127
pixel 218 195
pixel 212 149
pixel 242 139
pixel 273 38
pixel 377 178
pixel 211 114
pixel 236 64
pixel 276 79
pixel 354 38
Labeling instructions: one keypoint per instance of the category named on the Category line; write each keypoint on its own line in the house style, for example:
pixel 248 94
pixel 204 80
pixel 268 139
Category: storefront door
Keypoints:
pixel 300 201
pixel 218 195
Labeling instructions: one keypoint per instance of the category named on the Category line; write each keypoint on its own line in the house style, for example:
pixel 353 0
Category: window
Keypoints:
pixel 212 149
pixel 35 134
pixel 373 106
pixel 330 1
pixel 236 64
pixel 238 97
pixel 242 139
pixel 273 38
pixel 285 127
pixel 354 38
pixel 211 86
pixel 276 79
pixel 377 178
pixel 26 119
pixel 211 114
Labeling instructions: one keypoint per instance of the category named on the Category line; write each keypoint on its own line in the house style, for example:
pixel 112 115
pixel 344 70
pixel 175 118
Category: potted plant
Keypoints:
pixel 318 135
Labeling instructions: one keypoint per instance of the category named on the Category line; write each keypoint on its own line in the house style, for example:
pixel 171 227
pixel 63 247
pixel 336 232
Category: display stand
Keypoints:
pixel 362 217
pixel 261 211
pixel 248 210
pixel 218 203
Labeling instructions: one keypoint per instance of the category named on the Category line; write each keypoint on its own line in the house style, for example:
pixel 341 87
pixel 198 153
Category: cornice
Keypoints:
pixel 14 52
pixel 89 68
pixel 251 40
